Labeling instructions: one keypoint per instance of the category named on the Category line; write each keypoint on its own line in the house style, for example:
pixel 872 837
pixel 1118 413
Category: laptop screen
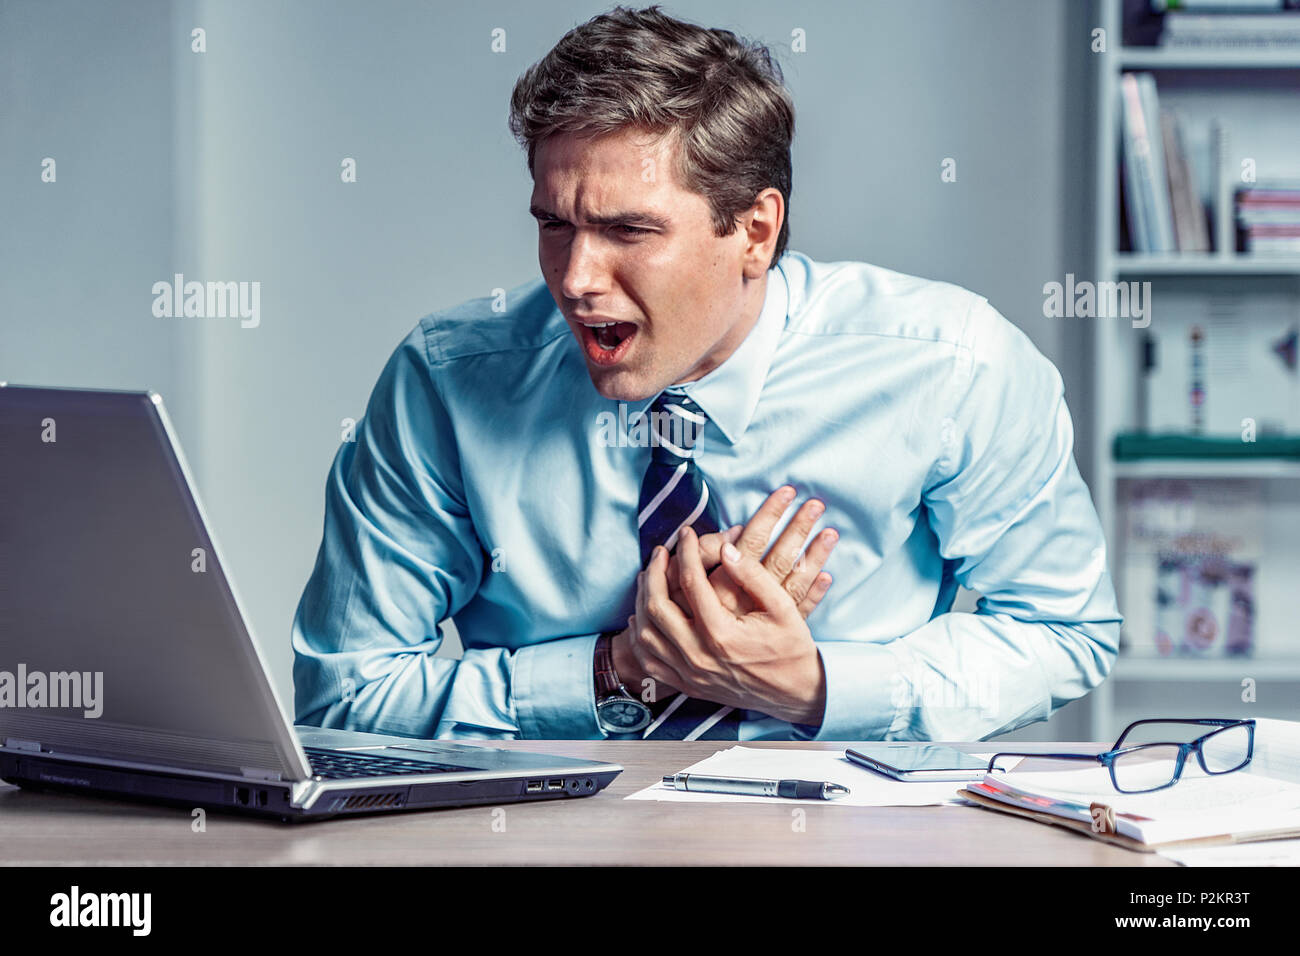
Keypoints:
pixel 120 634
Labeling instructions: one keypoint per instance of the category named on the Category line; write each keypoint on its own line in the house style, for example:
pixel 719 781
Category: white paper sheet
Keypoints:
pixel 867 788
pixel 1265 853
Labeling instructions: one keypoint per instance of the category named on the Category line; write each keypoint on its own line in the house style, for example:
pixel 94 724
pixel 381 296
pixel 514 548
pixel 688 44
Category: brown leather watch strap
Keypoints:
pixel 607 682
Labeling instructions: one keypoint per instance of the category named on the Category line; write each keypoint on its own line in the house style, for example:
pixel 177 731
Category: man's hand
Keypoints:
pixel 798 574
pixel 630 666
pixel 802 579
pixel 764 659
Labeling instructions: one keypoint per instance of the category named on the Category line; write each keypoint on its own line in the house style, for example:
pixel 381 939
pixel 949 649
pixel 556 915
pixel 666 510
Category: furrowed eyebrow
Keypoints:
pixel 613 219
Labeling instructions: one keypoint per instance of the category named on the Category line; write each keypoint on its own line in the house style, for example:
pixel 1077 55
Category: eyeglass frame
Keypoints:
pixel 1107 758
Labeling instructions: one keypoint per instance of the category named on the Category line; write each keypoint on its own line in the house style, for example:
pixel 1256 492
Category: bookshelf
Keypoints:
pixel 1128 264
pixel 1253 93
pixel 1155 58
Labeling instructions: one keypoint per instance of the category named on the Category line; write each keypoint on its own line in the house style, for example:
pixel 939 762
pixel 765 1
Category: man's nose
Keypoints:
pixel 585 270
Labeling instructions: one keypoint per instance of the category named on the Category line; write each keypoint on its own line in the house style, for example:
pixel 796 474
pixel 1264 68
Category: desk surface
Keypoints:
pixel 43 828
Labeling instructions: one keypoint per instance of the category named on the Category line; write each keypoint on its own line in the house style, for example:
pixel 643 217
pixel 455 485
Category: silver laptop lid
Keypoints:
pixel 121 635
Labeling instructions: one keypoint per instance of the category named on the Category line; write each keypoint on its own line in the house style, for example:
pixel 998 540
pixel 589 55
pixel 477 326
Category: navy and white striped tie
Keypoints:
pixel 674 496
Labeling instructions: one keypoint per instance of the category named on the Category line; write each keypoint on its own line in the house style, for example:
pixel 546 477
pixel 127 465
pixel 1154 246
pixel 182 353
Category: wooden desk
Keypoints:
pixel 42 828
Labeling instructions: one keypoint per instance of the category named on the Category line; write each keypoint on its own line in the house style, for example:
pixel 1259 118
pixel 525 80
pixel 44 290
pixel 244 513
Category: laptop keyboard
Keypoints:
pixel 336 764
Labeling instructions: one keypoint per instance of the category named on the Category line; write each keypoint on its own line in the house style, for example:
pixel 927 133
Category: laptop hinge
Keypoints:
pixel 33 745
pixel 259 774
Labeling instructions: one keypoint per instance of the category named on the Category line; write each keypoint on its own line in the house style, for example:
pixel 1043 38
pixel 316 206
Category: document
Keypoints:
pixel 1263 853
pixel 866 788
pixel 1197 806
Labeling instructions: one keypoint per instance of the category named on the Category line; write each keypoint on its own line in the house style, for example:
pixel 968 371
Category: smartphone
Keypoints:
pixel 918 761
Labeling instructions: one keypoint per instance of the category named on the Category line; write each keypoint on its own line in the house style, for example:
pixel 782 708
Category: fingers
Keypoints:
pixel 653 651
pixel 757 582
pixel 710 554
pixel 796 568
pixel 783 556
pixel 699 592
pixel 806 569
pixel 710 551
pixel 758 530
pixel 711 544
pixel 815 594
pixel 663 619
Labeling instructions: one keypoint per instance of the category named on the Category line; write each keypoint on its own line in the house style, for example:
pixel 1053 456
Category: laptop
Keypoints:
pixel 128 668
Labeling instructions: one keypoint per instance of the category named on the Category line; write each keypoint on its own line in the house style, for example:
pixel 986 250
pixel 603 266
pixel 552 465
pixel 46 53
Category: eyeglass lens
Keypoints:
pixel 1226 750
pixel 1146 768
pixel 1154 766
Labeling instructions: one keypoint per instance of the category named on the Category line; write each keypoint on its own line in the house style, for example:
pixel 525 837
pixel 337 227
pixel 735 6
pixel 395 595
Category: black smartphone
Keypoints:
pixel 918 761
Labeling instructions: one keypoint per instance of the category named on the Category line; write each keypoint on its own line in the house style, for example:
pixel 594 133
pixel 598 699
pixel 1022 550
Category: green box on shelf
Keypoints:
pixel 1133 446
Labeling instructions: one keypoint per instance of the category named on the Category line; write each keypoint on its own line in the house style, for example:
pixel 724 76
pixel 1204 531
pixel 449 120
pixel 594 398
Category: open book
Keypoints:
pixel 1259 802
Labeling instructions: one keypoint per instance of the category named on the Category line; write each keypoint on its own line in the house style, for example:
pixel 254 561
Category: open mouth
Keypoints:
pixel 607 343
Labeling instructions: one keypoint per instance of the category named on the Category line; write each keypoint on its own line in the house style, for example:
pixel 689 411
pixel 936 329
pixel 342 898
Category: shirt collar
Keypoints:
pixel 729 394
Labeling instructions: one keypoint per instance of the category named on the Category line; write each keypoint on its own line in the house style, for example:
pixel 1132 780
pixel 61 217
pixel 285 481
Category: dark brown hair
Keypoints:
pixel 722 97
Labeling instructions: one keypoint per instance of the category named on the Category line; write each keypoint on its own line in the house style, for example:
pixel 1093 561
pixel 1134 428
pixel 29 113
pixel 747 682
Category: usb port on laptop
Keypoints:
pixel 534 786
pixel 555 785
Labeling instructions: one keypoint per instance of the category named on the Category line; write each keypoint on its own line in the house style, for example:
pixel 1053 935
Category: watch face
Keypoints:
pixel 622 714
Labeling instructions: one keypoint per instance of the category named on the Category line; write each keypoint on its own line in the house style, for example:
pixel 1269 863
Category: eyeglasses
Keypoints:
pixel 1142 768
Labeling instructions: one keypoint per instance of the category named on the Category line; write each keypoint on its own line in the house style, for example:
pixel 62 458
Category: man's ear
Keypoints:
pixel 762 225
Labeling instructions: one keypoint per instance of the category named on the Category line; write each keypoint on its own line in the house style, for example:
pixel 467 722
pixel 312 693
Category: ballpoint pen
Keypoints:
pixel 749 786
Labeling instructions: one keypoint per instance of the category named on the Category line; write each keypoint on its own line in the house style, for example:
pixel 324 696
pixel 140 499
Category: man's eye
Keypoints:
pixel 554 224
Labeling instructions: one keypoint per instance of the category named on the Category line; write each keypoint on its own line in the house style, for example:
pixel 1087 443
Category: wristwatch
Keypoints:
pixel 617 711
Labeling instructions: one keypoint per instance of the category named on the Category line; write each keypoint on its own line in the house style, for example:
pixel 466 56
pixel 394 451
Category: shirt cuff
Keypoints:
pixel 555 689
pixel 861 688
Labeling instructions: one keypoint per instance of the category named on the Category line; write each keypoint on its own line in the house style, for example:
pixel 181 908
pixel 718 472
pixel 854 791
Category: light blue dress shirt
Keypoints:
pixel 490 483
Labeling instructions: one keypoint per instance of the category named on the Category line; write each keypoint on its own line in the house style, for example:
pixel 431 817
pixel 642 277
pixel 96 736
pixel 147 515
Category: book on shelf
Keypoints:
pixel 1205 605
pixel 1163 206
pixel 1222 180
pixel 1227 23
pixel 1261 801
pixel 1222 6
pixel 1191 557
pixel 1191 228
pixel 1136 163
pixel 1146 178
pixel 1259 31
pixel 1268 219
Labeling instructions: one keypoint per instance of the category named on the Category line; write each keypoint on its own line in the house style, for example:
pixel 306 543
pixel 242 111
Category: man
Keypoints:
pixel 556 474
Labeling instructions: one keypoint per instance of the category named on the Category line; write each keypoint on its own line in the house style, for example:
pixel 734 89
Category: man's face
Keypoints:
pixel 619 240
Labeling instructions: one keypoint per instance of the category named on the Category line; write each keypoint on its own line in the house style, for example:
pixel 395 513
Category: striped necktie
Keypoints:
pixel 674 496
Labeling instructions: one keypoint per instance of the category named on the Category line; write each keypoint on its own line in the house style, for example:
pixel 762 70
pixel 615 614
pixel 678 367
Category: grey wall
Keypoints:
pixel 91 89
pixel 225 166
